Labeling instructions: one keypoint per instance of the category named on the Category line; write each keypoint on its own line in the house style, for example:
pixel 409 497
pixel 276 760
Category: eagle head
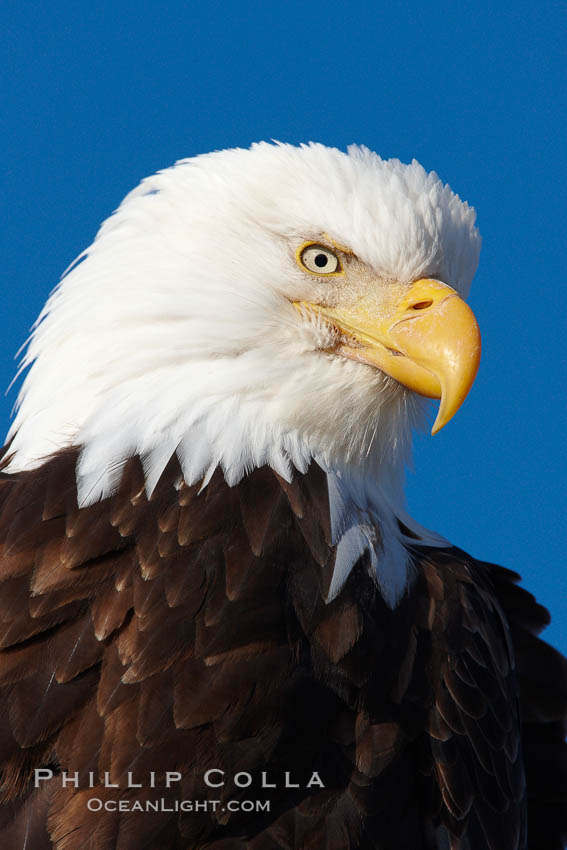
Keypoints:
pixel 274 306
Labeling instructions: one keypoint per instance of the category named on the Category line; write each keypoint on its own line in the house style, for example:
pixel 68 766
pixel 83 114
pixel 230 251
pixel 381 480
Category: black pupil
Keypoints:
pixel 321 260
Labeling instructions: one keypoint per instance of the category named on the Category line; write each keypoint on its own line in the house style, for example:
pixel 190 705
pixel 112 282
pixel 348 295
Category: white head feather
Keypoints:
pixel 174 332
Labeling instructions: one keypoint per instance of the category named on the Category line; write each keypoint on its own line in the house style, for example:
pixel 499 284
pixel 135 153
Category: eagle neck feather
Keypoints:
pixel 365 499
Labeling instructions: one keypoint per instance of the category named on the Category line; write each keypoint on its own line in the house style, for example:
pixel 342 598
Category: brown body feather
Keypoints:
pixel 190 632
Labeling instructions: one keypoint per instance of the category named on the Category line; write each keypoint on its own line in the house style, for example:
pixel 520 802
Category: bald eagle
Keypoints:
pixel 219 627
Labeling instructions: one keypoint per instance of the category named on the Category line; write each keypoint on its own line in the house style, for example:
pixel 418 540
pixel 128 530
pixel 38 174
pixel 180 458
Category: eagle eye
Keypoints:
pixel 319 260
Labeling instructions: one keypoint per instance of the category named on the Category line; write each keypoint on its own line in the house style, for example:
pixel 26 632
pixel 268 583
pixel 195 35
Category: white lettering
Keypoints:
pixel 171 776
pixel 40 774
pixel 208 780
pixel 131 783
pixel 245 782
pixel 315 780
pixel 265 783
pixel 107 783
pixel 288 782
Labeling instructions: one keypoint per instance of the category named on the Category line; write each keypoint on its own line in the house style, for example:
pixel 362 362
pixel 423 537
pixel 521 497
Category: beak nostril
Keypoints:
pixel 421 305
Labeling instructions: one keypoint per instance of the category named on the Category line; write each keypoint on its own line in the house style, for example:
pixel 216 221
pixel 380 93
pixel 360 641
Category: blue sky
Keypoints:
pixel 96 96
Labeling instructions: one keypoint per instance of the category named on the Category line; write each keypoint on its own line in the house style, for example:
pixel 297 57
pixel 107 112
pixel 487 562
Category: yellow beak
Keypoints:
pixel 430 343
